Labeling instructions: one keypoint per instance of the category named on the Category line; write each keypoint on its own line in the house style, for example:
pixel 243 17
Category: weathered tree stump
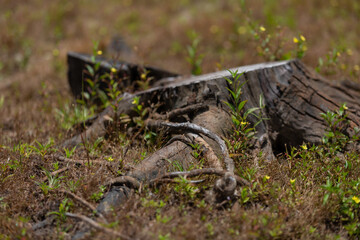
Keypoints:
pixel 294 97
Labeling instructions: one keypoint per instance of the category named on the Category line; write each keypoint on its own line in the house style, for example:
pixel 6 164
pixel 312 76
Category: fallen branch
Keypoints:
pixel 84 161
pixel 97 225
pixel 194 128
pixel 84 202
pixel 55 173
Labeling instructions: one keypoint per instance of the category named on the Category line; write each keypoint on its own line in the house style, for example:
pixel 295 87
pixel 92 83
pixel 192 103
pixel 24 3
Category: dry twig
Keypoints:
pixel 55 173
pixel 97 225
pixel 84 202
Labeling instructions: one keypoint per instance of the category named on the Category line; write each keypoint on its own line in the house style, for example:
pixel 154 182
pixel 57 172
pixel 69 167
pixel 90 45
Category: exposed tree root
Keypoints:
pixel 198 172
pixel 124 180
pixel 194 128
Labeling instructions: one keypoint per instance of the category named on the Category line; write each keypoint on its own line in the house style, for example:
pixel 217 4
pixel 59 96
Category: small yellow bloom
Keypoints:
pixel 302 38
pixel 99 52
pixel 355 199
pixel 214 29
pixel 338 54
pixel 267 177
pixel 295 40
pixel 143 76
pixel 241 30
pixel 345 107
pixel 113 70
pixel 356 68
pixel 243 123
pixel 262 29
pixel 56 52
pixel 292 181
pixel 134 102
pixel 349 52
pixel 304 147
pixel 110 159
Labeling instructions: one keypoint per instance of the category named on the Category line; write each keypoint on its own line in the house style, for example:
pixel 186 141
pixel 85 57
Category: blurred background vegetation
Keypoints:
pixel 186 37
pixel 36 34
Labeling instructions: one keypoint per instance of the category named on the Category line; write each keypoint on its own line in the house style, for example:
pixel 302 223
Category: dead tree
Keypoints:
pixel 193 109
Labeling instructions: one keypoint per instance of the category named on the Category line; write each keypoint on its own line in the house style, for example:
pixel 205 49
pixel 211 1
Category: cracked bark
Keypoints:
pixel 294 96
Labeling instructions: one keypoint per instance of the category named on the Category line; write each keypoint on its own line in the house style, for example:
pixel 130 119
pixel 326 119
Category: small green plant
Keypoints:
pixel 73 185
pixel 63 209
pixel 194 58
pixel 2 100
pixel 71 115
pixel 242 130
pixel 69 152
pixel 98 195
pixel 93 147
pixel 43 149
pixel 164 237
pixel 149 136
pixel 301 47
pixel 53 182
pixel 197 153
pixel 144 82
pixel 185 188
pixel 337 122
pixel 330 64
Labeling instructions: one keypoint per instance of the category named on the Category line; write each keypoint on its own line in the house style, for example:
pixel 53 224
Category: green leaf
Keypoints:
pixel 241 105
pixel 90 70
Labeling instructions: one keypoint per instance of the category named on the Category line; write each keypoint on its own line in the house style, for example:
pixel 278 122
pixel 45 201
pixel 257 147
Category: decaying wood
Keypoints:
pixel 207 151
pixel 194 128
pixel 293 95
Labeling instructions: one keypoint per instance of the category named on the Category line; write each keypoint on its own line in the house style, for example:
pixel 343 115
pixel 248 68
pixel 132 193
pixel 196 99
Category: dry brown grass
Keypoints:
pixel 33 83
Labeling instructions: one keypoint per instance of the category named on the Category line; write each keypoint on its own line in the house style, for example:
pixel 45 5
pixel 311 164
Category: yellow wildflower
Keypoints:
pixel 338 54
pixel 262 29
pixel 99 52
pixel 267 177
pixel 345 107
pixel 302 38
pixel 295 40
pixel 113 70
pixel 243 123
pixel 304 147
pixel 134 102
pixel 110 159
pixel 143 76
pixel 349 52
pixel 56 52
pixel 241 30
pixel 214 29
pixel 356 199
pixel 292 181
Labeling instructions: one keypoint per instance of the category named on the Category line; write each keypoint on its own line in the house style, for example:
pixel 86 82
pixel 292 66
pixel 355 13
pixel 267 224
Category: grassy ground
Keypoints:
pixel 309 193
